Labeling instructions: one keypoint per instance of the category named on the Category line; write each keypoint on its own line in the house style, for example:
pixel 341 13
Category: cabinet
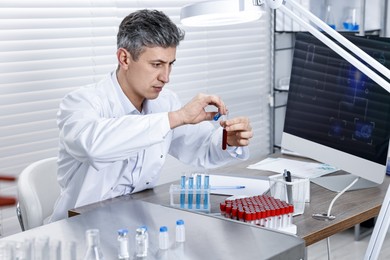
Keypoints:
pixel 371 17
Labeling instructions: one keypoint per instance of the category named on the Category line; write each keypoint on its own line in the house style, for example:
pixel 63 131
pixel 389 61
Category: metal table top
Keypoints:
pixel 207 237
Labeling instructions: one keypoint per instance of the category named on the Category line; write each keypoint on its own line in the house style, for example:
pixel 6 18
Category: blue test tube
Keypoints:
pixel 198 189
pixel 206 195
pixel 190 191
pixel 182 190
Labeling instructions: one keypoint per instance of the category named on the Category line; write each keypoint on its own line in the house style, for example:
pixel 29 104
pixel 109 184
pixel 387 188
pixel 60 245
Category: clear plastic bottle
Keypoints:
pixel 180 231
pixel 123 242
pixel 163 238
pixel 94 251
pixel 141 241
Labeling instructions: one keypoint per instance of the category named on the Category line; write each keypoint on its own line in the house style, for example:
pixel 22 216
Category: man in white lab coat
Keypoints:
pixel 116 134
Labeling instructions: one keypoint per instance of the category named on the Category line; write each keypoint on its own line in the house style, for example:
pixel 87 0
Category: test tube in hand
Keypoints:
pixel 224 135
pixel 224 132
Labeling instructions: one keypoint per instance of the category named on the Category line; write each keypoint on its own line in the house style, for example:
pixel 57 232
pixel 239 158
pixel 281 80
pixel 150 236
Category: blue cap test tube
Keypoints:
pixel 190 191
pixel 182 190
pixel 198 189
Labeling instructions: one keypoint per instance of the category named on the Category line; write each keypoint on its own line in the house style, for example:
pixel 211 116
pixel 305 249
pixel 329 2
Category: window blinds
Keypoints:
pixel 49 48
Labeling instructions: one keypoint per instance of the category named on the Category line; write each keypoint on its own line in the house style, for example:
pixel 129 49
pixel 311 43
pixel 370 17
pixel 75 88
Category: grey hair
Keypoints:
pixel 147 28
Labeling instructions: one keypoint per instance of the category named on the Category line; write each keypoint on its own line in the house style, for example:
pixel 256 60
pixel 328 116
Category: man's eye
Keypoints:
pixel 156 65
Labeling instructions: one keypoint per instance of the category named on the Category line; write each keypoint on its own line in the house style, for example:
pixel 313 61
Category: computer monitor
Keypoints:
pixel 337 115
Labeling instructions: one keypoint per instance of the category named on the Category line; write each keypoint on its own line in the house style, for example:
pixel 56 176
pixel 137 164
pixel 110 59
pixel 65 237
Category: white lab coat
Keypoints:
pixel 97 139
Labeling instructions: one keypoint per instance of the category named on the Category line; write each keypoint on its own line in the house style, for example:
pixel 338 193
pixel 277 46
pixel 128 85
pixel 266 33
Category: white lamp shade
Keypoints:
pixel 218 13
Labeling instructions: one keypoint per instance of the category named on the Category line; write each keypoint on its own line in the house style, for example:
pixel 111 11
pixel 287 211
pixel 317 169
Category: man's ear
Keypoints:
pixel 123 57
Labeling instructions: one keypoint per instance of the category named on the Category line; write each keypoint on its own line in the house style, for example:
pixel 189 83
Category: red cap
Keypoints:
pixel 222 206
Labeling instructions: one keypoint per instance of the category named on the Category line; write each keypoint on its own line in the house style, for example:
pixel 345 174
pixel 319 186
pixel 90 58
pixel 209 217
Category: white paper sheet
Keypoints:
pixel 297 168
pixel 253 187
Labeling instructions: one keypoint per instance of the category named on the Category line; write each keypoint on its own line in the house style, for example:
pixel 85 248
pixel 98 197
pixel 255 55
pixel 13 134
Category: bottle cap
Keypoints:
pixel 122 232
pixel 163 229
pixel 144 227
pixel 180 222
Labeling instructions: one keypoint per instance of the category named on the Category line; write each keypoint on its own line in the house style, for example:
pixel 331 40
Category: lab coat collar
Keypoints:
pixel 127 106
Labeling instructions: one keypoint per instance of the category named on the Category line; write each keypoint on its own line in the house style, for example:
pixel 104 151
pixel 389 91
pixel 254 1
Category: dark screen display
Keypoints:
pixel 332 103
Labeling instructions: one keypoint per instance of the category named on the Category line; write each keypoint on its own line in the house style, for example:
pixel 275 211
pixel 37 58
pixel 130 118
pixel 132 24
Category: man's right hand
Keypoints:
pixel 194 111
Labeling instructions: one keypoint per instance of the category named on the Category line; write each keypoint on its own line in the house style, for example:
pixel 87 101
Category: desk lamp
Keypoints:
pixel 228 12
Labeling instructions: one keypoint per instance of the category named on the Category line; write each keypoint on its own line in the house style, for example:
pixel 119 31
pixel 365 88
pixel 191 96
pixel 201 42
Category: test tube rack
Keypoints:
pixel 194 199
pixel 261 210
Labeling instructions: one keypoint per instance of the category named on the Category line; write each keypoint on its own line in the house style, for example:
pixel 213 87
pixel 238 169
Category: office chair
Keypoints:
pixel 38 191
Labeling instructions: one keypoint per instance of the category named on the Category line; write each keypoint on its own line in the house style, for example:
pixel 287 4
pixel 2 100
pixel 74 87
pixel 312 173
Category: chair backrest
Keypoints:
pixel 38 191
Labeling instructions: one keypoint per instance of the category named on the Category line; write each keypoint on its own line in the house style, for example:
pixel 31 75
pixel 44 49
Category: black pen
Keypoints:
pixel 287 178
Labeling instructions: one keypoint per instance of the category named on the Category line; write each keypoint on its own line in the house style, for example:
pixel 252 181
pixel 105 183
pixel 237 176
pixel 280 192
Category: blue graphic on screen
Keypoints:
pixel 333 103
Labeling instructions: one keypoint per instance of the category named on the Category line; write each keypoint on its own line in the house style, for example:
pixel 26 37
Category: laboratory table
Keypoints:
pixel 350 209
pixel 207 237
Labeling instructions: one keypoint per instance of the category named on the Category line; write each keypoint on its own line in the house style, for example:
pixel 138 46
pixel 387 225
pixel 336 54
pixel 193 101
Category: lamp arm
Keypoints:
pixel 354 61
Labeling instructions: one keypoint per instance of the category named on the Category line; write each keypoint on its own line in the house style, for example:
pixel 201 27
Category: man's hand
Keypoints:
pixel 194 111
pixel 239 131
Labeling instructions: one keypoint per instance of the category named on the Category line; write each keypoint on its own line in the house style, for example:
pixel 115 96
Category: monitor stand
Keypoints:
pixel 338 182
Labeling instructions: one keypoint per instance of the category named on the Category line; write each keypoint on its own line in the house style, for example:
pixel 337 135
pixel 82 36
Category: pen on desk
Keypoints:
pixel 227 187
pixel 287 177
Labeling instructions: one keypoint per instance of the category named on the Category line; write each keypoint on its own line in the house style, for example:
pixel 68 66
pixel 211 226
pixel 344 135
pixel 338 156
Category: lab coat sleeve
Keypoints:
pixel 200 145
pixel 90 133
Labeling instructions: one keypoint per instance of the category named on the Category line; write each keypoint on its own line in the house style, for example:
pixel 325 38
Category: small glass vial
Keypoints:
pixel 180 231
pixel 163 238
pixel 94 251
pixel 123 242
pixel 141 241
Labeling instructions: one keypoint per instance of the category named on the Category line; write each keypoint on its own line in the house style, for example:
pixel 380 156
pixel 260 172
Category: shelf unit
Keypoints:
pixel 284 37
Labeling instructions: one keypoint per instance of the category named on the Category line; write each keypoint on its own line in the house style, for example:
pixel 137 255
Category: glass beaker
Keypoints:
pixel 350 22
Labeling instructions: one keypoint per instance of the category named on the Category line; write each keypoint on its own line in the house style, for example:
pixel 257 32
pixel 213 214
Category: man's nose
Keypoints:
pixel 164 74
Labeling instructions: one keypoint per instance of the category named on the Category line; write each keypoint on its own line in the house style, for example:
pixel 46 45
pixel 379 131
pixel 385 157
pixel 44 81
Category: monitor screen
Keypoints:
pixel 336 114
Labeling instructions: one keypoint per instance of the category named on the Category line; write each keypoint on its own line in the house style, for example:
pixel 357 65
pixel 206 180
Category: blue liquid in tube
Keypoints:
pixel 190 191
pixel 206 195
pixel 198 189
pixel 182 191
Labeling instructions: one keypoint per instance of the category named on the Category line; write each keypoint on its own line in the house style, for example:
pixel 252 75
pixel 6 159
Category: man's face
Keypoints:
pixel 146 77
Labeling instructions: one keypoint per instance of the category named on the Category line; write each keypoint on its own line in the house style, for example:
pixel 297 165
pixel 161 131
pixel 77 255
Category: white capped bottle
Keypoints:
pixel 163 238
pixel 180 231
pixel 123 242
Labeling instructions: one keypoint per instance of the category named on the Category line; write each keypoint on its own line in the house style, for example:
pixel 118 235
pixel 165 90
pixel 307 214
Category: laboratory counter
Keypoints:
pixel 350 209
pixel 206 237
